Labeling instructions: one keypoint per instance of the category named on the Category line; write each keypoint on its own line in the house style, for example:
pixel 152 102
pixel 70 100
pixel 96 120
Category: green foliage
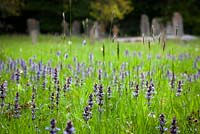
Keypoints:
pixel 106 10
pixel 10 7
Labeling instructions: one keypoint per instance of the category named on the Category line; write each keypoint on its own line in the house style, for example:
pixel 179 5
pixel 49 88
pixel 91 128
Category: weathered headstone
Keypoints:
pixel 33 29
pixel 178 24
pixel 65 27
pixel 115 31
pixel 156 27
pixel 94 32
pixel 76 28
pixel 169 28
pixel 144 25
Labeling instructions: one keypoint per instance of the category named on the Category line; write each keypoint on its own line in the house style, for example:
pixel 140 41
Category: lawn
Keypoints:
pixel 103 87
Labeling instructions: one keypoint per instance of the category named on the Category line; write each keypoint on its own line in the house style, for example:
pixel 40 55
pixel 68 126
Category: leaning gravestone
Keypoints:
pixel 76 28
pixel 178 24
pixel 144 25
pixel 33 29
pixel 156 27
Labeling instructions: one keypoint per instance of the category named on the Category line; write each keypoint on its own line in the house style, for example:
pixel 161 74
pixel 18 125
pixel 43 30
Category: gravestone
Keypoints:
pixel 177 21
pixel 156 27
pixel 95 32
pixel 65 28
pixel 33 29
pixel 144 25
pixel 169 28
pixel 85 26
pixel 115 31
pixel 76 28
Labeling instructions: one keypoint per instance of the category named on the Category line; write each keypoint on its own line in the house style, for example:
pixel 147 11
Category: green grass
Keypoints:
pixel 123 113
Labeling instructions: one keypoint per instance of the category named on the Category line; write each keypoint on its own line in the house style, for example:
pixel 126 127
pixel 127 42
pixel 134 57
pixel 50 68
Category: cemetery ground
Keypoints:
pixel 107 87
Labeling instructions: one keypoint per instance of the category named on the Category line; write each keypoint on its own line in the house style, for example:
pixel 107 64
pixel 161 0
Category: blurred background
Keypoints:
pixel 125 14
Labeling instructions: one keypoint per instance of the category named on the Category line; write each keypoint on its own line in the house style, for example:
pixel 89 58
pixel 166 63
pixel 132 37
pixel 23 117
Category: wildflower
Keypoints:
pixel 55 76
pixel 17 76
pixel 91 57
pixel 25 71
pixel 162 124
pixel 57 95
pixel 84 42
pixel 149 95
pixel 69 128
pixel 179 89
pixel 100 74
pixel 90 101
pixel 44 84
pixel 95 89
pixel 3 88
pixel 66 56
pixel 109 92
pixel 38 75
pixel 136 92
pixel 16 106
pixel 52 101
pixel 69 42
pixel 174 128
pixel 58 53
pixel 53 129
pixel 44 72
pixel 126 53
pixel 87 114
pixel 33 106
pixel 67 84
pixel 152 115
pixel 100 96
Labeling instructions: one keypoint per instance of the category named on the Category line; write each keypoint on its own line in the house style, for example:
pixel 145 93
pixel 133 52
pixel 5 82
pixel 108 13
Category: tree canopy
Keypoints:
pixel 106 10
pixel 10 7
pixel 126 13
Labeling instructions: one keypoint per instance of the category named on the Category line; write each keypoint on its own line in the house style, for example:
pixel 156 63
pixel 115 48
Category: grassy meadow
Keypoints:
pixel 104 88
